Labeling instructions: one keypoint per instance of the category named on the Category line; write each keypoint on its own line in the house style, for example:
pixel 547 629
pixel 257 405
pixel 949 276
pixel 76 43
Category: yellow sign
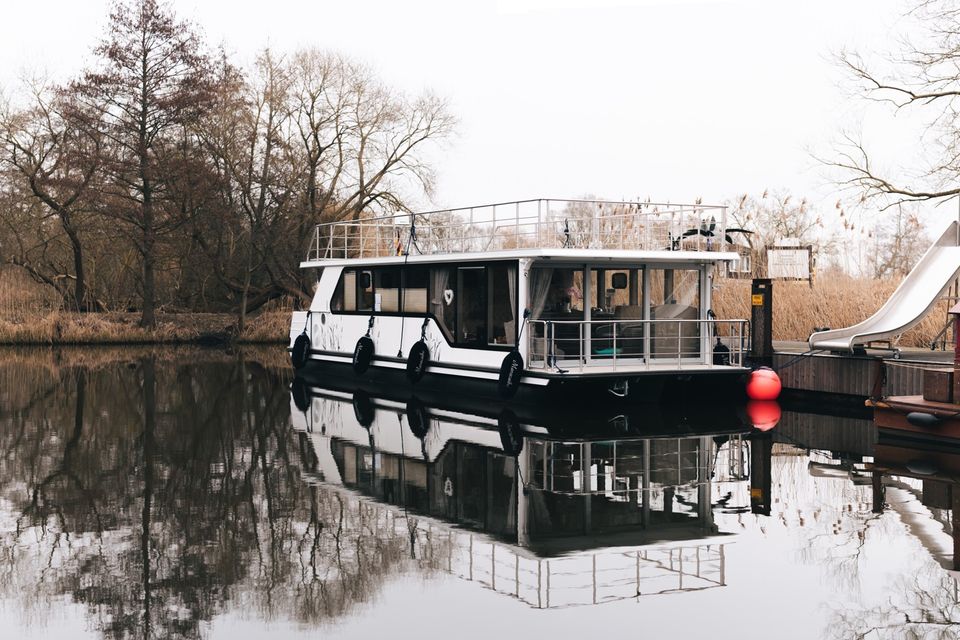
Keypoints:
pixel 757 299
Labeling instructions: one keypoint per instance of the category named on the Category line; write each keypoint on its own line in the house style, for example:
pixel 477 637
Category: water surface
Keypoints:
pixel 185 494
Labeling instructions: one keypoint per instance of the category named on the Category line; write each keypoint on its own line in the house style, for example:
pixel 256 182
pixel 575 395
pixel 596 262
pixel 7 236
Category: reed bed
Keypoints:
pixel 835 301
pixel 63 327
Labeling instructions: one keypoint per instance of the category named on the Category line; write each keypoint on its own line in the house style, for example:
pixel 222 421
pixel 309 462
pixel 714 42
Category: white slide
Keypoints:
pixel 915 296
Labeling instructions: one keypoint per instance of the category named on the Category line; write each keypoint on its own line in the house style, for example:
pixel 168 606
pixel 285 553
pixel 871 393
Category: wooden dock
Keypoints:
pixel 854 377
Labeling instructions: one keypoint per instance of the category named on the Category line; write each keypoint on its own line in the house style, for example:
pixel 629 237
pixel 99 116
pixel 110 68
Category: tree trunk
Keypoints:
pixel 148 317
pixel 79 287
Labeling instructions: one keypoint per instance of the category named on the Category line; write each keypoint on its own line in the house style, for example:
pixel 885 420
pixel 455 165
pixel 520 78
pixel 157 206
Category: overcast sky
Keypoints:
pixel 668 99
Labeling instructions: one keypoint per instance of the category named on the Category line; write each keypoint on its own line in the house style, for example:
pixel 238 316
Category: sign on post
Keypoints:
pixel 787 261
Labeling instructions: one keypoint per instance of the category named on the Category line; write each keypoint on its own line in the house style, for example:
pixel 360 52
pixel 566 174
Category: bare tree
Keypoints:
pixel 311 139
pixel 151 80
pixel 53 156
pixel 897 243
pixel 923 78
pixel 777 215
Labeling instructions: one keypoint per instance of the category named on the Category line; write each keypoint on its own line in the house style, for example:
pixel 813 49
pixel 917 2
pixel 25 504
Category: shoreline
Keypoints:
pixel 121 328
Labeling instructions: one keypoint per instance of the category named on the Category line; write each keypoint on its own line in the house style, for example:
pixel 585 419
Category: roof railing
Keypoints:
pixel 525 224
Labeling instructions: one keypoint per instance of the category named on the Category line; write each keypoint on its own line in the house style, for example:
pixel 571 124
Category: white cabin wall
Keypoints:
pixel 523 284
pixel 325 288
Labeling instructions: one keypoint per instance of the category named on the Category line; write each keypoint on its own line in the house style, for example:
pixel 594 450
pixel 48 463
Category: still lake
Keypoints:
pixel 187 493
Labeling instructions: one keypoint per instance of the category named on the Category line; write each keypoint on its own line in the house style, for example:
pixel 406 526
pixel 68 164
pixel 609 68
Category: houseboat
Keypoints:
pixel 535 300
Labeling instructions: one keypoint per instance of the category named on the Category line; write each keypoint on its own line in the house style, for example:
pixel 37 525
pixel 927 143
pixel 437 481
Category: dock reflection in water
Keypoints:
pixel 191 495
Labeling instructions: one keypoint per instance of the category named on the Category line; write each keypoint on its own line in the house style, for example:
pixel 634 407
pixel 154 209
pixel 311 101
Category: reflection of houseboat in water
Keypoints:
pixel 575 298
pixel 551 520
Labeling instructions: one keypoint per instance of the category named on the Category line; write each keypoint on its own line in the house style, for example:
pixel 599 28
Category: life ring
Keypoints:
pixel 511 370
pixel 417 417
pixel 417 361
pixel 301 351
pixel 511 438
pixel 301 394
pixel 363 409
pixel 363 354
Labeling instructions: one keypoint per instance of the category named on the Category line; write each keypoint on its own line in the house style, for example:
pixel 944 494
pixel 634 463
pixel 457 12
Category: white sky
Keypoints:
pixel 620 99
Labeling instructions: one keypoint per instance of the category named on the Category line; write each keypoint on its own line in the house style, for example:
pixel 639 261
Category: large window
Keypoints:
pixel 474 304
pixel 501 310
pixel 416 283
pixel 675 306
pixel 387 290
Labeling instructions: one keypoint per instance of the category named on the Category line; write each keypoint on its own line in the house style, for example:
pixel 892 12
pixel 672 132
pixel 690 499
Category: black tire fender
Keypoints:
pixel 301 394
pixel 511 437
pixel 363 354
pixel 417 417
pixel 363 409
pixel 301 351
pixel 511 370
pixel 417 361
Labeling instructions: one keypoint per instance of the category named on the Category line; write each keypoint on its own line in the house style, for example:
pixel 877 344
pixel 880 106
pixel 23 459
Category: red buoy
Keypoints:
pixel 764 384
pixel 764 414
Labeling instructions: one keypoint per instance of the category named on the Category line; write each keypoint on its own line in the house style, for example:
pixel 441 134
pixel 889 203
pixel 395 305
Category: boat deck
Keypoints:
pixel 563 368
pixel 534 224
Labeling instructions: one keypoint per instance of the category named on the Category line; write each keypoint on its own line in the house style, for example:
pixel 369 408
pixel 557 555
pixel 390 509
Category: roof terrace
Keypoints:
pixel 532 224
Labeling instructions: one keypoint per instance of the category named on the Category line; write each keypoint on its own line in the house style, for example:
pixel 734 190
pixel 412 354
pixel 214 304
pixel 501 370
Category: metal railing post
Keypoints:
pixel 516 230
pixel 615 327
pixel 679 341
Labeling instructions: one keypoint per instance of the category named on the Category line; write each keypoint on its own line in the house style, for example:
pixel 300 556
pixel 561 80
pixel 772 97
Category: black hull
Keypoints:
pixel 576 407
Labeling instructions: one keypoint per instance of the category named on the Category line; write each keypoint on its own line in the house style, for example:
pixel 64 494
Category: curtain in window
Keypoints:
pixel 439 279
pixel 511 330
pixel 539 289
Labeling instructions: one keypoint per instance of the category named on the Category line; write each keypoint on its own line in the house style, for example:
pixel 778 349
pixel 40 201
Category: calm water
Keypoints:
pixel 187 495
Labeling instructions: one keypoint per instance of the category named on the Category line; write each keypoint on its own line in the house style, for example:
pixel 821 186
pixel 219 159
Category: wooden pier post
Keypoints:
pixel 876 481
pixel 761 322
pixel 955 312
pixel 955 500
pixel 761 479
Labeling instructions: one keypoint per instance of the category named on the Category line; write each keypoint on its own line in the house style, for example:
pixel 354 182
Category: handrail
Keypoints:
pixel 539 223
pixel 636 344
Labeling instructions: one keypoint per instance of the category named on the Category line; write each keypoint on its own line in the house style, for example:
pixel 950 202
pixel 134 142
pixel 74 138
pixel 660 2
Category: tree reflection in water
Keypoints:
pixel 154 492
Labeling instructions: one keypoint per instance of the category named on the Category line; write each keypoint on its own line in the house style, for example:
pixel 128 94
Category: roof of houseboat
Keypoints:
pixel 559 255
pixel 593 230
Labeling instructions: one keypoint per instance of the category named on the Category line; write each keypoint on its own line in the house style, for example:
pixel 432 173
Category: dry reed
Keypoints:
pixel 835 301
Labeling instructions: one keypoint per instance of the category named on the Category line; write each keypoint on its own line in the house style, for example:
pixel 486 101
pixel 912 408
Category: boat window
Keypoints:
pixel 443 298
pixel 349 286
pixel 556 292
pixel 365 299
pixel 502 310
pixel 416 281
pixel 386 297
pixel 675 305
pixel 471 306
pixel 618 291
pixel 337 302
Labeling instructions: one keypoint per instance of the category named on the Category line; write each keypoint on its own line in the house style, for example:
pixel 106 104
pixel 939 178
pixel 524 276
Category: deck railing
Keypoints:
pixel 586 344
pixel 542 223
